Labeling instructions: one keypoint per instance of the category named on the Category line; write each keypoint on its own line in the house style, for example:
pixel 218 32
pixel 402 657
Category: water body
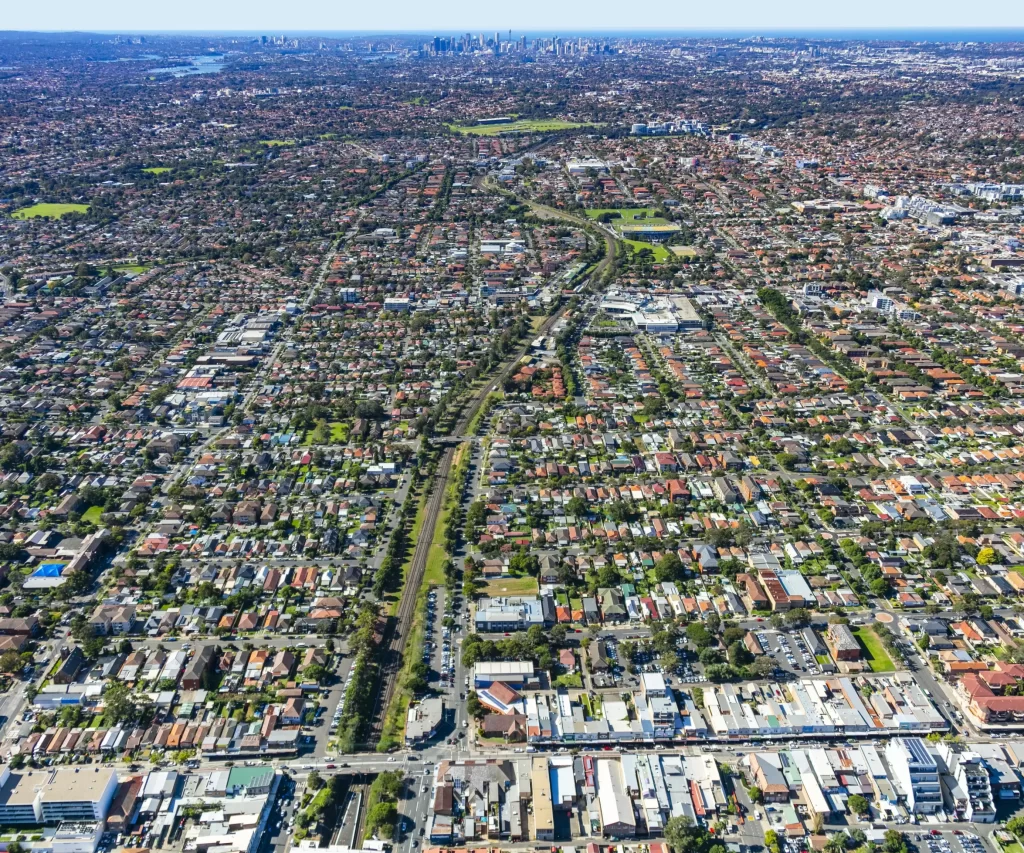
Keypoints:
pixel 210 64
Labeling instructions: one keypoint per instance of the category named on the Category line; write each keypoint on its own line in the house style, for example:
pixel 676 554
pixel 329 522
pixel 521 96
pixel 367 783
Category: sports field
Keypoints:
pixel 49 211
pixel 628 215
pixel 660 252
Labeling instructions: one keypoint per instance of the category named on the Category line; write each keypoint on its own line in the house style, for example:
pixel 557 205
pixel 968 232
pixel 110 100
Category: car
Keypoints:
pixel 330 766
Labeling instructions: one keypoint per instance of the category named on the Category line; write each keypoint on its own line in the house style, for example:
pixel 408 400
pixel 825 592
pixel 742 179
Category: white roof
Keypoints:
pixel 506 667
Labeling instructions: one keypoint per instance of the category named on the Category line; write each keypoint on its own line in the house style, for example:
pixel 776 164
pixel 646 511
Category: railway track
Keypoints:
pixel 398 628
pixel 397 631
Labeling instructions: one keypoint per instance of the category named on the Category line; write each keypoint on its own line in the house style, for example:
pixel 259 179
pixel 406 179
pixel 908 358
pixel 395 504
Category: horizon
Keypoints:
pixel 314 17
pixel 917 34
pixel 668 30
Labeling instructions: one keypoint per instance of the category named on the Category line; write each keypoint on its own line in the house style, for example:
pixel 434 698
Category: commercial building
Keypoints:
pixel 543 811
pixel 495 615
pixel 55 795
pixel 515 673
pixel 768 776
pixel 423 719
pixel 915 772
pixel 75 837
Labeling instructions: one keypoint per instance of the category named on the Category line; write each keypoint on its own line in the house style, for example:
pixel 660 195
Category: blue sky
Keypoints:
pixel 532 15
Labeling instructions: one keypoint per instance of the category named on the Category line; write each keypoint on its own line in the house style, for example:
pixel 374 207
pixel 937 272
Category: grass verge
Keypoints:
pixel 523 126
pixel 393 733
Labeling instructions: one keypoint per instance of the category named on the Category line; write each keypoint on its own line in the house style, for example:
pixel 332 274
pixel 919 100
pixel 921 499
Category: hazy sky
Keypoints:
pixel 532 15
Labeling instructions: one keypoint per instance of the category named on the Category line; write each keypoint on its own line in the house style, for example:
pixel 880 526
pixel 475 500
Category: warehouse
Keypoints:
pixel 617 818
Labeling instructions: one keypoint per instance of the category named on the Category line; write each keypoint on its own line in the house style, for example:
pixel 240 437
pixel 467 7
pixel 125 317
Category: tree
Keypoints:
pixel 315 672
pixel 894 842
pixel 118 704
pixel 314 781
pixel 733 633
pixel 797 618
pixel 381 819
pixel 739 654
pixel 787 460
pixel 858 804
pixel 945 551
pixel 321 433
pixel 709 656
pixel 523 563
pixel 669 661
pixel 698 635
pixel 669 568
pixel 1016 825
pixel 416 681
pixel 986 556
pixel 683 836
pixel 627 651
pixel 762 667
pixel 756 794
pixel 771 841
pixel 474 706
pixel 10 662
pixel 718 672
pixel 578 507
